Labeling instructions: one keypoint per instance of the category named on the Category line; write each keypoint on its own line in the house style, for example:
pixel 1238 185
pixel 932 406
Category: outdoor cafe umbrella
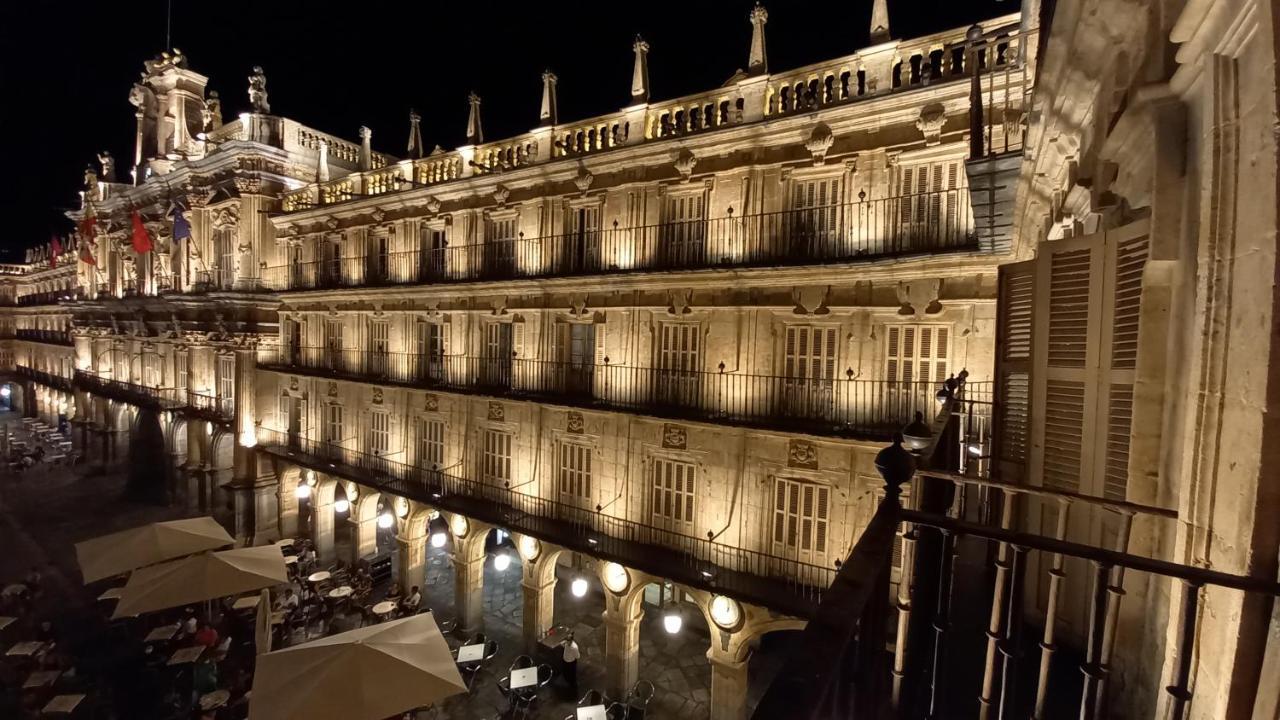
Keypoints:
pixel 369 673
pixel 206 576
pixel 131 549
pixel 262 623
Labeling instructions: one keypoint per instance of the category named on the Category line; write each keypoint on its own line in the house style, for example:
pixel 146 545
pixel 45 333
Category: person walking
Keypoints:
pixel 571 655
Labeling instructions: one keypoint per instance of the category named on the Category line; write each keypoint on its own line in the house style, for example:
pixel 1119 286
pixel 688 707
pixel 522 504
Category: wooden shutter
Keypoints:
pixel 1087 294
pixel 1014 335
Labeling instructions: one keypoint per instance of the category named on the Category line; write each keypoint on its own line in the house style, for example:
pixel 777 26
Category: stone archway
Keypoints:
pixel 364 524
pixel 323 517
pixel 146 453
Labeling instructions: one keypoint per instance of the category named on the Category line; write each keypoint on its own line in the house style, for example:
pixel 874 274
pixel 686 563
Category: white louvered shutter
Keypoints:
pixel 1014 335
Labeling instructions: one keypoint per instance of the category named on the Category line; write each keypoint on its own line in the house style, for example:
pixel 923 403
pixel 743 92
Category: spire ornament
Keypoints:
pixel 640 72
pixel 475 134
pixel 415 149
pixel 880 22
pixel 758 62
pixel 550 114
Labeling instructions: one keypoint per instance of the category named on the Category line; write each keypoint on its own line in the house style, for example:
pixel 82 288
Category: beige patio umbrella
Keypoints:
pixel 370 673
pixel 206 576
pixel 262 623
pixel 138 547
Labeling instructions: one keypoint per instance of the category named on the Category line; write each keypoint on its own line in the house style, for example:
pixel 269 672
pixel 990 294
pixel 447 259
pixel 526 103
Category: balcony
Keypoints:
pixel 51 337
pixel 845 407
pixel 210 407
pixel 855 232
pixel 143 396
pixel 50 297
pixel 57 382
pixel 783 584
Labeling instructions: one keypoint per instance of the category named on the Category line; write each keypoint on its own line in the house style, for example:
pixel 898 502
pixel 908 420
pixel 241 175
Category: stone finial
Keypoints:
pixel 475 134
pixel 211 114
pixel 415 149
pixel 322 162
pixel 640 73
pixel 880 21
pixel 366 148
pixel 108 164
pixel 758 61
pixel 549 114
pixel 258 91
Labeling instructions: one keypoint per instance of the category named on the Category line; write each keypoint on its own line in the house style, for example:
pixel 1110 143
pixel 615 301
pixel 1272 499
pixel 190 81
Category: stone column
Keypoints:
pixel 322 526
pixel 364 536
pixel 622 648
pixel 468 578
pixel 411 545
pixel 253 232
pixel 539 605
pixel 728 685
pixel 287 502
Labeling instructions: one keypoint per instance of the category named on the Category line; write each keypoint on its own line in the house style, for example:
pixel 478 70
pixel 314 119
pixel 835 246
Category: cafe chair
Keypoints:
pixel 637 702
pixel 523 661
pixel 592 697
pixel 490 650
pixel 477 639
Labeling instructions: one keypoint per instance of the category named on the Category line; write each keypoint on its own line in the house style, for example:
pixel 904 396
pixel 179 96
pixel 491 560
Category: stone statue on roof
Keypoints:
pixel 212 113
pixel 108 166
pixel 258 91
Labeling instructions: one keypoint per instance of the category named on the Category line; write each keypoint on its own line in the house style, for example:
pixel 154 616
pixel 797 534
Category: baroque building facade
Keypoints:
pixel 662 345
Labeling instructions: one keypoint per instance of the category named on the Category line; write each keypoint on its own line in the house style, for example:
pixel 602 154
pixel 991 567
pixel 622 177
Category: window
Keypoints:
pixel 917 354
pixel 498 347
pixel 180 370
pixel 226 377
pixel 429 349
pixel 678 361
pixel 379 432
pixel 431 443
pixel 583 248
pixel 151 375
pixel 495 457
pixel 333 343
pixel 432 253
pixel 500 246
pixel 683 231
pixel 815 216
pixel 378 346
pixel 929 203
pixel 809 366
pixel 575 474
pixel 224 240
pixel 333 424
pixel 673 494
pixel 800 519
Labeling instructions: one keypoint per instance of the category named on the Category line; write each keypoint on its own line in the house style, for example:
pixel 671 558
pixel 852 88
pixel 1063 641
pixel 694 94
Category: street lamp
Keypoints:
pixel 501 562
pixel 895 465
pixel 578 587
pixel 672 622
pixel 341 505
pixel 385 521
pixel 303 492
pixel 917 433
pixel 438 539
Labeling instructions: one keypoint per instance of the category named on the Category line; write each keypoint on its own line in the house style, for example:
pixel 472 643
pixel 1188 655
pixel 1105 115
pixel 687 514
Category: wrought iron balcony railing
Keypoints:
pixel 50 297
pixel 845 406
pixel 47 379
pixel 211 407
pixel 53 337
pixel 154 398
pixel 781 583
pixel 864 230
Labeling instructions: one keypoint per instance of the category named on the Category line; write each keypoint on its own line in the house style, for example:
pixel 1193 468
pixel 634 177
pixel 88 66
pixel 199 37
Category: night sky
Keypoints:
pixel 66 68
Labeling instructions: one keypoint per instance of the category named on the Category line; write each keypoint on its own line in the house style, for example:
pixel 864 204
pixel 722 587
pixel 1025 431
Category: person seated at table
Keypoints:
pixel 190 624
pixel 44 632
pixel 287 602
pixel 206 635
pixel 412 602
pixel 33 579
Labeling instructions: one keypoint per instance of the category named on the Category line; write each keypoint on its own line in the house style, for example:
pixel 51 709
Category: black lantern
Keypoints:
pixel 895 465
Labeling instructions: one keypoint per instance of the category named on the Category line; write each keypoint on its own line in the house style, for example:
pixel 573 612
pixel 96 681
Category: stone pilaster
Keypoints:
pixel 622 648
pixel 539 608
pixel 728 685
pixel 322 522
pixel 468 577
pixel 411 545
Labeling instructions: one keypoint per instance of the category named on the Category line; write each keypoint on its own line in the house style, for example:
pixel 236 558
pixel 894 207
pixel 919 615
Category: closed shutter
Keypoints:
pixel 1087 294
pixel 1014 335
pixel 810 352
pixel 800 519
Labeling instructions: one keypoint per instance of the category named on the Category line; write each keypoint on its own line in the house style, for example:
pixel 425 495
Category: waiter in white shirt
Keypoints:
pixel 571 655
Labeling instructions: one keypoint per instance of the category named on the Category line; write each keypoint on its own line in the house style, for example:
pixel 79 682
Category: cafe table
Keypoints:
pixel 592 712
pixel 187 655
pixel 6 621
pixel 25 649
pixel 214 700
pixel 471 653
pixel 162 633
pixel 386 607
pixel 524 678
pixel 319 576
pixel 339 593
pixel 63 704
pixel 248 602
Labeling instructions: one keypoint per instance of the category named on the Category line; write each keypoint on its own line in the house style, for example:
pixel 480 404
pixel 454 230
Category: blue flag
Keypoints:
pixel 181 228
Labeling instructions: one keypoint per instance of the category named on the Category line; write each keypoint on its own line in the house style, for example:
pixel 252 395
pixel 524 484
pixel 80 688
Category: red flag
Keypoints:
pixel 87 228
pixel 141 240
pixel 55 249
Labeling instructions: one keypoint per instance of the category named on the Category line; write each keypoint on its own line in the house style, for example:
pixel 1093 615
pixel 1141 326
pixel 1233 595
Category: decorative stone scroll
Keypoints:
pixel 802 454
pixel 497 412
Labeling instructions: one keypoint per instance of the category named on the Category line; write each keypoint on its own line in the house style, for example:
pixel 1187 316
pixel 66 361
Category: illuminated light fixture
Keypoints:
pixel 402 508
pixel 529 547
pixel 501 562
pixel 434 514
pixel 208 427
pixel 386 520
pixel 672 622
pixel 726 612
pixel 616 577
pixel 578 587
pixel 341 505
pixel 438 540
pixel 303 492
pixel 459 525
pixel 353 492
pixel 975 449
pixel 5 391
pixel 311 477
pixel 248 439
pixel 501 535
